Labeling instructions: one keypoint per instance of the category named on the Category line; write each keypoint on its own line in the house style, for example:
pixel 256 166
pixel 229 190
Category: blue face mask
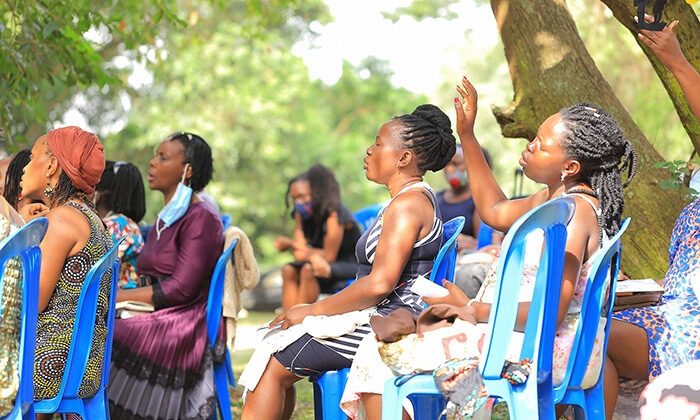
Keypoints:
pixel 177 206
pixel 457 179
pixel 304 209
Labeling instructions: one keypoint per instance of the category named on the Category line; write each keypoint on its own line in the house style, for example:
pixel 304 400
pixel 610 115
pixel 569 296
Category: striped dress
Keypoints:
pixel 420 262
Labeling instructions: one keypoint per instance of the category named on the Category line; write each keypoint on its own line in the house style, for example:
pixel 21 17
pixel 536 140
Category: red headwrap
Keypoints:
pixel 80 154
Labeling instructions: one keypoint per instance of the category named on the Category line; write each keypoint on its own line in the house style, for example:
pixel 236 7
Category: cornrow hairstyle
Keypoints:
pixel 14 176
pixel 596 141
pixel 198 155
pixel 428 133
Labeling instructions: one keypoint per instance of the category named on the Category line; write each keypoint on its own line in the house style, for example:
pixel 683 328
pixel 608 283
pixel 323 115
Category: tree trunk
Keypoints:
pixel 551 69
pixel 688 33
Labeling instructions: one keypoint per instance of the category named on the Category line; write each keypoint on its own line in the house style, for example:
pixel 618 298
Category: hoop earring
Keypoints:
pixel 48 191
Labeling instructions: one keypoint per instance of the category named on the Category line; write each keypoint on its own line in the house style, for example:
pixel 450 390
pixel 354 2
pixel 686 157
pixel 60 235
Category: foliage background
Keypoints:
pixel 225 70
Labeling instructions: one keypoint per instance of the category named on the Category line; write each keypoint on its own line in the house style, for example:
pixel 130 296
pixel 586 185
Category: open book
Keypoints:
pixel 131 308
pixel 634 293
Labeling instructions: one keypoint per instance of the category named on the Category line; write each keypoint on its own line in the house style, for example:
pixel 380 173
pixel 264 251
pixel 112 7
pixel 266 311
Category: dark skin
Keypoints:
pixel 408 218
pixel 628 344
pixel 543 161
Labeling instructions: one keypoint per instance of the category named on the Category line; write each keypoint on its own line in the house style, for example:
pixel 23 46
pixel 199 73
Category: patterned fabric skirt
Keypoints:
pixel 673 330
pixel 162 366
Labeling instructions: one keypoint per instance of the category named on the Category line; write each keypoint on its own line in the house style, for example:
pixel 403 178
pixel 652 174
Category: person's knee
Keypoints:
pixel 307 272
pixel 290 273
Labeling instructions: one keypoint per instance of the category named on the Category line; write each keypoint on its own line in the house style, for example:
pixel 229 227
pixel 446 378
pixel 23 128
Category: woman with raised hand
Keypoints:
pixel 579 151
pixel 161 361
pixel 65 165
pixel 401 244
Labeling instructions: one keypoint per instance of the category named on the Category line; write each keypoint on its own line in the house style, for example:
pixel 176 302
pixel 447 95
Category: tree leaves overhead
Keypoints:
pixel 47 44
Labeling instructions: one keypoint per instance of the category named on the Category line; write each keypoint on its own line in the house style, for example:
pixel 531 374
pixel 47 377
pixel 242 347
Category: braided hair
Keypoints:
pixel 596 141
pixel 428 133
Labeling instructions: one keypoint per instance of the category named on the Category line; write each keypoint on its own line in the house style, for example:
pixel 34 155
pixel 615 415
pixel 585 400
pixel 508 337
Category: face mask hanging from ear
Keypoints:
pixel 177 206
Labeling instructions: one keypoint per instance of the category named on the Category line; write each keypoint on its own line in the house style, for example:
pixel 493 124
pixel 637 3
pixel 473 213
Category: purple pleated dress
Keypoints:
pixel 161 362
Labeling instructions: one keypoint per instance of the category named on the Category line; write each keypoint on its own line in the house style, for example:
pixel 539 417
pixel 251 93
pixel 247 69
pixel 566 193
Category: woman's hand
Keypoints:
pixel 455 296
pixel 283 243
pixel 465 105
pixel 664 44
pixel 32 211
pixel 295 315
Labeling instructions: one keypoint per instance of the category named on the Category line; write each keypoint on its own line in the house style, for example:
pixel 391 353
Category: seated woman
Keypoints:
pixel 577 151
pixel 65 165
pixel 161 362
pixel 120 201
pixel 10 314
pixel 400 245
pixel 325 235
pixel 645 342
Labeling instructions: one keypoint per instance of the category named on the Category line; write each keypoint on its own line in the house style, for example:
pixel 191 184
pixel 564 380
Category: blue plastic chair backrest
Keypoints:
pixel 446 259
pixel 485 236
pixel 25 244
pixel 366 216
pixel 597 302
pixel 216 293
pixel 106 269
pixel 551 217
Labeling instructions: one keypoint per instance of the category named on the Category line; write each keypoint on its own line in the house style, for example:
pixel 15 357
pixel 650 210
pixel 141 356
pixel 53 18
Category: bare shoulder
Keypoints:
pixel 68 220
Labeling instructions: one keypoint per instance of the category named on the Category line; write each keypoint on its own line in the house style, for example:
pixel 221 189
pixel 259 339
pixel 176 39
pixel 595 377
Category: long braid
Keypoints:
pixel 595 139
pixel 428 132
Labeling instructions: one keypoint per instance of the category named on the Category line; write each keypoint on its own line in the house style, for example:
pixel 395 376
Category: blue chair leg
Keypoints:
pixel 221 382
pixel 420 390
pixel 328 389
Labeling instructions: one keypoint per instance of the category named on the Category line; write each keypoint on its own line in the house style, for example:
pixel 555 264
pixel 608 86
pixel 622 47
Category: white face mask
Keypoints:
pixel 177 206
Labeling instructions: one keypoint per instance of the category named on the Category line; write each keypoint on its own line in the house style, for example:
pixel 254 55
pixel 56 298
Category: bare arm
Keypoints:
pixel 333 238
pixel 408 218
pixel 665 46
pixel 492 204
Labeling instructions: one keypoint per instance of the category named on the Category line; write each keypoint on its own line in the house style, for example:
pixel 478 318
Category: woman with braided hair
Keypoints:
pixel 580 151
pixel 401 244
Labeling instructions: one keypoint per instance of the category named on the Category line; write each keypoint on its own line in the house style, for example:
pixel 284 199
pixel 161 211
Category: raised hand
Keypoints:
pixel 465 105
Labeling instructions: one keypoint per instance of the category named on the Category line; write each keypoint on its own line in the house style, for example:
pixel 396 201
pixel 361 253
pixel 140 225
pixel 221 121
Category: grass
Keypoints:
pixel 305 396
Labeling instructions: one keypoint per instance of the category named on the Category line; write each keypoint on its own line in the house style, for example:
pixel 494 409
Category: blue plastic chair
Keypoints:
pixel 485 236
pixel 551 217
pixel 446 259
pixel 597 302
pixel 328 388
pixel 538 342
pixel 223 372
pixel 67 399
pixel 25 244
pixel 366 216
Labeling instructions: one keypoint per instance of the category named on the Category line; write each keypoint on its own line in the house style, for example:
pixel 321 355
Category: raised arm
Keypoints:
pixel 665 46
pixel 491 202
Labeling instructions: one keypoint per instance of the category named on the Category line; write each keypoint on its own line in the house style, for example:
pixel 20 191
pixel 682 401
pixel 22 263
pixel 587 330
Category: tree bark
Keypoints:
pixel 551 69
pixel 688 33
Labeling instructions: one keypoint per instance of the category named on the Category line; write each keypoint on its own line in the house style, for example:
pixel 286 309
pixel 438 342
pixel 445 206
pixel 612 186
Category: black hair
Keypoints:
pixel 198 155
pixel 121 185
pixel 325 192
pixel 65 190
pixel 15 169
pixel 597 142
pixel 428 133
